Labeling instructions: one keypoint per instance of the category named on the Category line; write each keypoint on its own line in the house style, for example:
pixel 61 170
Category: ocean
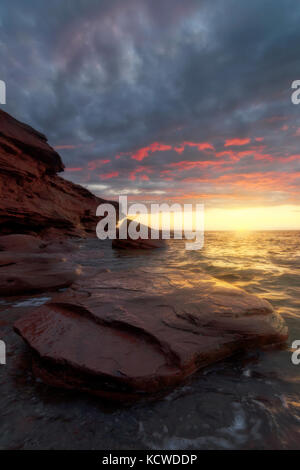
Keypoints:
pixel 250 401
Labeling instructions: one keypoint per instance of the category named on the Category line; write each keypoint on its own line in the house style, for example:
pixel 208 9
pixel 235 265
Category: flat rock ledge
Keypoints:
pixel 128 335
pixel 30 265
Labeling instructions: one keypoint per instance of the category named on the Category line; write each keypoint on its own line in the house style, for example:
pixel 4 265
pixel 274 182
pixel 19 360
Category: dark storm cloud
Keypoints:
pixel 107 78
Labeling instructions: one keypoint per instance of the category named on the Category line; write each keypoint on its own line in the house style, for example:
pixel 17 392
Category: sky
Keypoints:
pixel 165 101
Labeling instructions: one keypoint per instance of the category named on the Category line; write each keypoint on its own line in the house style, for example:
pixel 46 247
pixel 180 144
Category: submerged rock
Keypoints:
pixel 127 335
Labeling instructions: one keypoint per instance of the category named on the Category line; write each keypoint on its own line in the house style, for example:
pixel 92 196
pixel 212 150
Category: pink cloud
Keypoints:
pixel 93 164
pixel 179 149
pixel 145 151
pixel 139 169
pixel 200 145
pixel 236 141
pixel 189 165
pixel 297 133
pixel 107 176
pixel 237 156
pixel 225 153
pixel 290 158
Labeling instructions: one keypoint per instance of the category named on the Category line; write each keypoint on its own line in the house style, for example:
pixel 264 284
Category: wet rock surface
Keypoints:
pixel 131 334
pixel 249 400
pixel 29 265
pixel 141 242
pixel 21 274
pixel 20 243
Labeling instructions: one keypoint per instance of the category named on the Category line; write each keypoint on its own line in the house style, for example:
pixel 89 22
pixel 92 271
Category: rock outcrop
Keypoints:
pixel 139 243
pixel 25 274
pixel 34 199
pixel 128 335
pixel 30 265
pixel 22 243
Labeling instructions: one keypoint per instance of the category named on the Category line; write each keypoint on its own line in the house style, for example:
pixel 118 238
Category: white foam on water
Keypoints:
pixel 35 302
pixel 226 438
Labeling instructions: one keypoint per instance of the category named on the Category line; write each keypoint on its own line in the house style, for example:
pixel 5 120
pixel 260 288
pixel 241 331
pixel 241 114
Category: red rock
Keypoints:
pixel 34 199
pixel 29 264
pixel 31 273
pixel 140 243
pixel 127 335
pixel 21 243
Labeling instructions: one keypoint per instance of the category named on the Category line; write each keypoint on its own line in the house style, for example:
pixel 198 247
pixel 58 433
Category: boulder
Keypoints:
pixel 140 243
pixel 133 334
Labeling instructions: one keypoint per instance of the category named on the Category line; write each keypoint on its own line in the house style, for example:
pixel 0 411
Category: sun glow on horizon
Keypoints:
pixel 285 217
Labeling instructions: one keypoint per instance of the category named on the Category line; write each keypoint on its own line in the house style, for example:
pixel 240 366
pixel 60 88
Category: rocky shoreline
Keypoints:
pixel 119 335
pixel 34 198
pixel 133 334
pixel 129 334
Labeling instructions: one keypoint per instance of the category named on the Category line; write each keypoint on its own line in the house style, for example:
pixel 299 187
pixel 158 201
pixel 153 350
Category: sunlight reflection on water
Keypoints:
pixel 252 401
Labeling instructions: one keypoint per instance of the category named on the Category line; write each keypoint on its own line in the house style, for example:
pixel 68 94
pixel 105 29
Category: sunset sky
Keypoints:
pixel 170 100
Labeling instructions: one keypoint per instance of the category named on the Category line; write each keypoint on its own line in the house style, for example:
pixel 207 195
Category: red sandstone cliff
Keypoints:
pixel 34 199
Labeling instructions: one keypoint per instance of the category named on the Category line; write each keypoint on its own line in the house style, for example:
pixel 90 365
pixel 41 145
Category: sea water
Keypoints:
pixel 248 401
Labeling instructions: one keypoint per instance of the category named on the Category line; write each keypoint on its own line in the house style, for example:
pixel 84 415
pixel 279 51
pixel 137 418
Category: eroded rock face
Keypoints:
pixel 34 199
pixel 127 335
